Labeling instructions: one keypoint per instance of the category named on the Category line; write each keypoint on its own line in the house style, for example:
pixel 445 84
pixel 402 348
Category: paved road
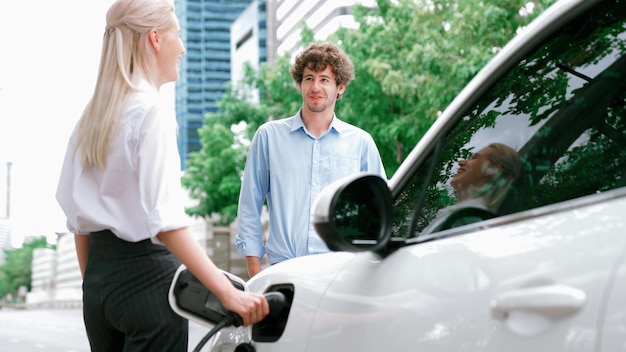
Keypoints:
pixel 55 330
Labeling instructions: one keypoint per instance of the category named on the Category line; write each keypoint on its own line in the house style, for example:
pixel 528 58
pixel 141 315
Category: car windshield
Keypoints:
pixel 561 109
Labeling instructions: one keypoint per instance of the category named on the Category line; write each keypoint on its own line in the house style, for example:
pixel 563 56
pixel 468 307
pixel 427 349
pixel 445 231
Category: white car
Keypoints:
pixel 545 272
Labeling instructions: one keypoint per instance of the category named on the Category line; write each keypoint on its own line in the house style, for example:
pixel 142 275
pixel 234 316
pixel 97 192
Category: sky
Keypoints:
pixel 48 66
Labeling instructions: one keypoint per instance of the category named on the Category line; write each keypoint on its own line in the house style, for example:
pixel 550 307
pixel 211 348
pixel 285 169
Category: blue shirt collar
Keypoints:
pixel 335 125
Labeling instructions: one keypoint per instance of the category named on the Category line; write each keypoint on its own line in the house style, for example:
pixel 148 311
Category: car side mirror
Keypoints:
pixel 354 214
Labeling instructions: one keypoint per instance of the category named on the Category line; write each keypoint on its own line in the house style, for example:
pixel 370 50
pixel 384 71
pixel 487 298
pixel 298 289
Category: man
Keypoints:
pixel 481 183
pixel 291 160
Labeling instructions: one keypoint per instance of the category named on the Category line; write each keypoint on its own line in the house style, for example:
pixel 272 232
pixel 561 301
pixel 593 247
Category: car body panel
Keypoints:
pixel 447 288
pixel 613 329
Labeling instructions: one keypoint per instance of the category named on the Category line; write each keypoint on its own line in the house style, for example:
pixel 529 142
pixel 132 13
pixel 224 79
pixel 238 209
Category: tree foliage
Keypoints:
pixel 16 271
pixel 411 59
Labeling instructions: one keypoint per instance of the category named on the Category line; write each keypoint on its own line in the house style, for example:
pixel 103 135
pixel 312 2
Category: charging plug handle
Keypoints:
pixel 276 301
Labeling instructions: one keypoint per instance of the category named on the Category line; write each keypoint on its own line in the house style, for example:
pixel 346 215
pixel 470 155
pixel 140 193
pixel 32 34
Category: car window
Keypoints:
pixel 561 108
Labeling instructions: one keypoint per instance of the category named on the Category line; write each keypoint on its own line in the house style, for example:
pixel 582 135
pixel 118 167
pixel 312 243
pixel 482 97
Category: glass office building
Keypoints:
pixel 205 68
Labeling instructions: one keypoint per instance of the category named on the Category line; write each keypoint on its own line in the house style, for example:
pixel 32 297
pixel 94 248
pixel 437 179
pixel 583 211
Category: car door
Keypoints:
pixel 539 274
pixel 614 322
pixel 535 284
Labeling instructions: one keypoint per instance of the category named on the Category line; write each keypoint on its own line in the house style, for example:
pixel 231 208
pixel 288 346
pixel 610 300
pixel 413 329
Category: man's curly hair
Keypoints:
pixel 318 56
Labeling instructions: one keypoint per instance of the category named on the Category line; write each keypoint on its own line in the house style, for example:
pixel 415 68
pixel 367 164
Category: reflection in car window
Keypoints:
pixel 562 108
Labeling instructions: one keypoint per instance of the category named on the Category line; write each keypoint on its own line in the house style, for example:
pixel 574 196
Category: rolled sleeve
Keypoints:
pixel 249 247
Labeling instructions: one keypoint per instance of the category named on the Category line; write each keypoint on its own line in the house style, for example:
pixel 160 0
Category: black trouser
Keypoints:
pixel 125 303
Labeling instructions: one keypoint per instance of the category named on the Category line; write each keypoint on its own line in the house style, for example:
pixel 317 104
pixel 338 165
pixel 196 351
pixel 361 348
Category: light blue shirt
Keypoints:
pixel 289 167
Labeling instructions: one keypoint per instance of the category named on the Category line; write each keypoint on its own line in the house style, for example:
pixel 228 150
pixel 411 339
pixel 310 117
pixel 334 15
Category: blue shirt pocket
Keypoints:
pixel 341 167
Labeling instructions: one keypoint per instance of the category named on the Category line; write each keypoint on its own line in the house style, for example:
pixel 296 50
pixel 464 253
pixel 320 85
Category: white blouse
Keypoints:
pixel 138 194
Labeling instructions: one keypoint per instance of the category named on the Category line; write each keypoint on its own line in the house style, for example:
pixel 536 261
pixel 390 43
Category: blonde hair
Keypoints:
pixel 510 166
pixel 124 62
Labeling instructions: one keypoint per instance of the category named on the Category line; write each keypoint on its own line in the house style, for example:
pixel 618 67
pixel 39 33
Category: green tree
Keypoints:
pixel 213 175
pixel 16 270
pixel 412 58
pixel 4 284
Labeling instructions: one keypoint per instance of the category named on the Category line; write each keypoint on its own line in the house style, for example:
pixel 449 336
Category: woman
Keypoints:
pixel 120 190
pixel 481 183
pixel 486 176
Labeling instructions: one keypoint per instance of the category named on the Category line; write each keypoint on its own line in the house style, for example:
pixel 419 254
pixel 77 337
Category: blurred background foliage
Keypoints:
pixel 16 270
